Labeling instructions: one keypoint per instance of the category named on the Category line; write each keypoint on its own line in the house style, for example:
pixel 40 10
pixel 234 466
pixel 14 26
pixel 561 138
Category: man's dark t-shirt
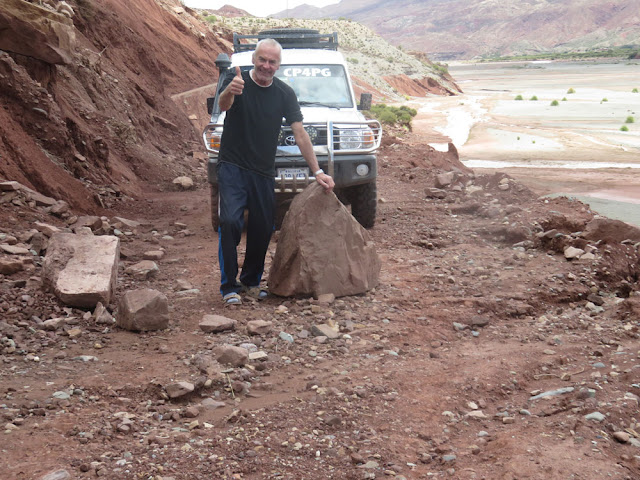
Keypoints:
pixel 252 124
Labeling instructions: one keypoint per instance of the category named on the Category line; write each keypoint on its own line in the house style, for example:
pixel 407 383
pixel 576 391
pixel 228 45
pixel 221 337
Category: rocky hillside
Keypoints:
pixel 462 29
pixel 88 113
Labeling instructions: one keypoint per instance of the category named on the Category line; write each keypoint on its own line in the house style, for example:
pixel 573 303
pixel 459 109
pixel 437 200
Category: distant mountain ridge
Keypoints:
pixel 464 29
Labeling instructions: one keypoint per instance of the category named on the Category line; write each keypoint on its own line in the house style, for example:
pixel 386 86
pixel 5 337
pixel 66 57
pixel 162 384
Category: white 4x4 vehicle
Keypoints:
pixel 345 142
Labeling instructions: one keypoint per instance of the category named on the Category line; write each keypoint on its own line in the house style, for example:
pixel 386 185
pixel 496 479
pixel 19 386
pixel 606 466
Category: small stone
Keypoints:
pixel 287 337
pixel 325 330
pixel 622 437
pixel 595 416
pixel 216 324
pixel 479 414
pixel 230 355
pixel 326 298
pixel 179 389
pixel 183 183
pixel 259 327
pixel 211 404
pixel 142 270
pixel 153 255
pixel 57 475
pixel 258 356
pixel 571 253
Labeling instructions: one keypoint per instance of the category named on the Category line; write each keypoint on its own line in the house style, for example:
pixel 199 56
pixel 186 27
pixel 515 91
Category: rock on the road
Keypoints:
pixel 322 249
pixel 143 309
pixel 82 270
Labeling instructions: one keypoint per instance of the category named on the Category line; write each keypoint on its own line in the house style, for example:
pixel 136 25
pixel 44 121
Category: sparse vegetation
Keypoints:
pixel 442 68
pixel 604 100
pixel 519 97
pixel 630 119
pixel 400 116
pixel 571 90
pixel 555 103
pixel 564 99
pixel 635 90
pixel 626 51
pixel 211 19
pixel 624 128
pixel 534 98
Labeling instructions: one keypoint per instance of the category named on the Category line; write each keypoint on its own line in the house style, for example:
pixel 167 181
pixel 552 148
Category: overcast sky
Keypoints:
pixel 259 8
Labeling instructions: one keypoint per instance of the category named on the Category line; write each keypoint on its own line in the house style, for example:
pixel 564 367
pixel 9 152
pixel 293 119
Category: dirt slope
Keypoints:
pixel 106 122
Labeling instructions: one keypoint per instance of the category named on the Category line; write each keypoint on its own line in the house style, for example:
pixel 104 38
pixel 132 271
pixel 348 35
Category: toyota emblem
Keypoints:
pixel 290 140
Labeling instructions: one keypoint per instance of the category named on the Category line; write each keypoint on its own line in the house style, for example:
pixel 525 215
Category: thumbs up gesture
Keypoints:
pixel 237 84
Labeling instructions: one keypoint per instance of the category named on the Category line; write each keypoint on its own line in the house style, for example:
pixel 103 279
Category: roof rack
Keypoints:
pixel 288 38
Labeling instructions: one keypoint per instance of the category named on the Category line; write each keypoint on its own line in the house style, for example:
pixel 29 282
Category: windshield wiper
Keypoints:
pixel 304 103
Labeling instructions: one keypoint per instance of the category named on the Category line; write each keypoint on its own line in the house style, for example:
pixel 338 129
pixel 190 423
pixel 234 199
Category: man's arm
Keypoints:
pixel 225 100
pixel 306 148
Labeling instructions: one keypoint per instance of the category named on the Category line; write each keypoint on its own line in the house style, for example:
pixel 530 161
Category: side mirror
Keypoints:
pixel 210 103
pixel 365 101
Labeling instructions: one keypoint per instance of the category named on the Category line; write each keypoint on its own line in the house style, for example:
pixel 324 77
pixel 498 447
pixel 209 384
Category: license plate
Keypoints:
pixel 291 173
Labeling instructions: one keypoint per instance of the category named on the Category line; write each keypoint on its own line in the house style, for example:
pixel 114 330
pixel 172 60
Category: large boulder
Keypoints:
pixel 35 31
pixel 81 270
pixel 322 249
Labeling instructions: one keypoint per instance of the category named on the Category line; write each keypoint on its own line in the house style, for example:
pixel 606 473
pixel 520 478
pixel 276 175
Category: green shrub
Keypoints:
pixel 564 99
pixel 624 128
pixel 604 100
pixel 411 111
pixel 630 119
pixel 387 116
pixel 555 103
pixel 571 90
pixel 394 115
pixel 534 98
pixel 211 19
pixel 635 90
pixel 519 97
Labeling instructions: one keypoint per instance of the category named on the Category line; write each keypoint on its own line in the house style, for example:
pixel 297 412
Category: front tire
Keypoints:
pixel 364 201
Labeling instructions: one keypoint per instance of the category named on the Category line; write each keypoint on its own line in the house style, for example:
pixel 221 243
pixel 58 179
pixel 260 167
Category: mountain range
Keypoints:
pixel 466 29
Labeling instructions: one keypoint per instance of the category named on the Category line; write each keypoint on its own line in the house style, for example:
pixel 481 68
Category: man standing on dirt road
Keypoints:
pixel 255 103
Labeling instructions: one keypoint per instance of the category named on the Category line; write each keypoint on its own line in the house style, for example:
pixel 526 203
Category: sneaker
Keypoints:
pixel 232 299
pixel 256 292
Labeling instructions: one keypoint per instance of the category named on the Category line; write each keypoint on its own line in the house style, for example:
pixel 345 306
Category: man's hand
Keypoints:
pixel 237 84
pixel 234 88
pixel 325 181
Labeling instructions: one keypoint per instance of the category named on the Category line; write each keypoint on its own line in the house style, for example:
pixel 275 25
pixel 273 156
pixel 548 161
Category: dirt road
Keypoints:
pixel 435 373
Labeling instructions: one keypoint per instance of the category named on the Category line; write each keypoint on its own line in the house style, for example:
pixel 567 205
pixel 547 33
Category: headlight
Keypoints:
pixel 313 134
pixel 350 139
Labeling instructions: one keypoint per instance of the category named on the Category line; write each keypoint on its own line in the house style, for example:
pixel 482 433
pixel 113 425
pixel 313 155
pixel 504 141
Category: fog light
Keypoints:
pixel 362 169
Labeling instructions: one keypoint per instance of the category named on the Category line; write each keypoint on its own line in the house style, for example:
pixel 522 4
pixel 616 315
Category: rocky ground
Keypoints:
pixel 490 349
pixel 501 342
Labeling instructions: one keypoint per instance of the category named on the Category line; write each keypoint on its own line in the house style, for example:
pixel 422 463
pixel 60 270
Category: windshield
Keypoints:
pixel 320 85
